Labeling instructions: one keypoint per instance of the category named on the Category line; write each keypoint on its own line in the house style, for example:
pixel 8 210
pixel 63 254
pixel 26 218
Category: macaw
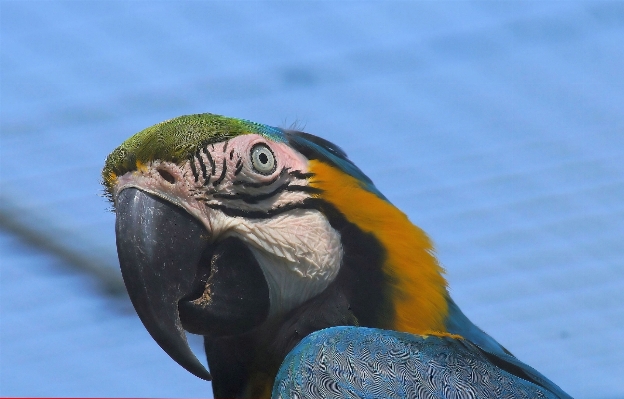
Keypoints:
pixel 305 281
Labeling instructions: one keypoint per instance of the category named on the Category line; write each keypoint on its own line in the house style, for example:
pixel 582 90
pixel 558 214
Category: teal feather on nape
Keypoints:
pixel 359 362
pixel 314 147
pixel 270 132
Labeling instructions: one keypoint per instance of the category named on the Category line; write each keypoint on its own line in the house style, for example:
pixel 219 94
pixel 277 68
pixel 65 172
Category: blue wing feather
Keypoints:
pixel 458 323
pixel 358 362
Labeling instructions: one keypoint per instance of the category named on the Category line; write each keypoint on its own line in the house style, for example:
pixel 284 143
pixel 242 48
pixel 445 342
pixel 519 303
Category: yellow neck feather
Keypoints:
pixel 419 290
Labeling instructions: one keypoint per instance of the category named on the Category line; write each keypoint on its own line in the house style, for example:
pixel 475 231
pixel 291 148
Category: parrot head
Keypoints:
pixel 230 228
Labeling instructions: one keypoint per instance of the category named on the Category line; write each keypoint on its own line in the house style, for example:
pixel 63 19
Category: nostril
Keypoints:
pixel 166 175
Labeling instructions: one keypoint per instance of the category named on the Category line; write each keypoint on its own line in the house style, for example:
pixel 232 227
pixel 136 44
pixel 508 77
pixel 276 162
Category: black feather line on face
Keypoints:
pixel 202 167
pixel 255 198
pixel 210 160
pixel 308 203
pixel 239 167
pixel 193 169
pixel 222 176
pixel 300 175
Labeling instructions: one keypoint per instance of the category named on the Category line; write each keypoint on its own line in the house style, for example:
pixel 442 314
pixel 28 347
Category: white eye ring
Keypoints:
pixel 262 159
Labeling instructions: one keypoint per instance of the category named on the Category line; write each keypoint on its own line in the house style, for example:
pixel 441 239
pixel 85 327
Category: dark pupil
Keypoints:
pixel 263 158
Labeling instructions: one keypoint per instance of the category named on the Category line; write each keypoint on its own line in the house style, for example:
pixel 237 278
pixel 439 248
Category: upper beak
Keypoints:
pixel 159 247
pixel 177 280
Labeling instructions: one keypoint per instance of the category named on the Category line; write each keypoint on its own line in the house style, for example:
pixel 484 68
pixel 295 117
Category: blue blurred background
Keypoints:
pixel 498 127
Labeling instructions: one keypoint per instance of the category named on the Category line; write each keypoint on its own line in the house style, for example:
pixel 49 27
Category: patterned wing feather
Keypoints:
pixel 357 362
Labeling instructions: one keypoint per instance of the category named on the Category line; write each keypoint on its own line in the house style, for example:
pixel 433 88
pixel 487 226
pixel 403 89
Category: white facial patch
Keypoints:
pixel 224 186
pixel 299 252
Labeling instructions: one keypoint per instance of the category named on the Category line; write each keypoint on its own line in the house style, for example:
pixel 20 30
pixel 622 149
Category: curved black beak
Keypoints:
pixel 159 247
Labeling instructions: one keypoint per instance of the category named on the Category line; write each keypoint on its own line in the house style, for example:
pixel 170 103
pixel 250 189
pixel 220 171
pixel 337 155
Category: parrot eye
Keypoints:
pixel 262 159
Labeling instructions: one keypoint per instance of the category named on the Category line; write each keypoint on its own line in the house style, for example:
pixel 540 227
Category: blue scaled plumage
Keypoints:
pixel 369 363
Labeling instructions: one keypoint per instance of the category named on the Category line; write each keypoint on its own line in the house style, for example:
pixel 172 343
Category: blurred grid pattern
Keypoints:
pixel 496 126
